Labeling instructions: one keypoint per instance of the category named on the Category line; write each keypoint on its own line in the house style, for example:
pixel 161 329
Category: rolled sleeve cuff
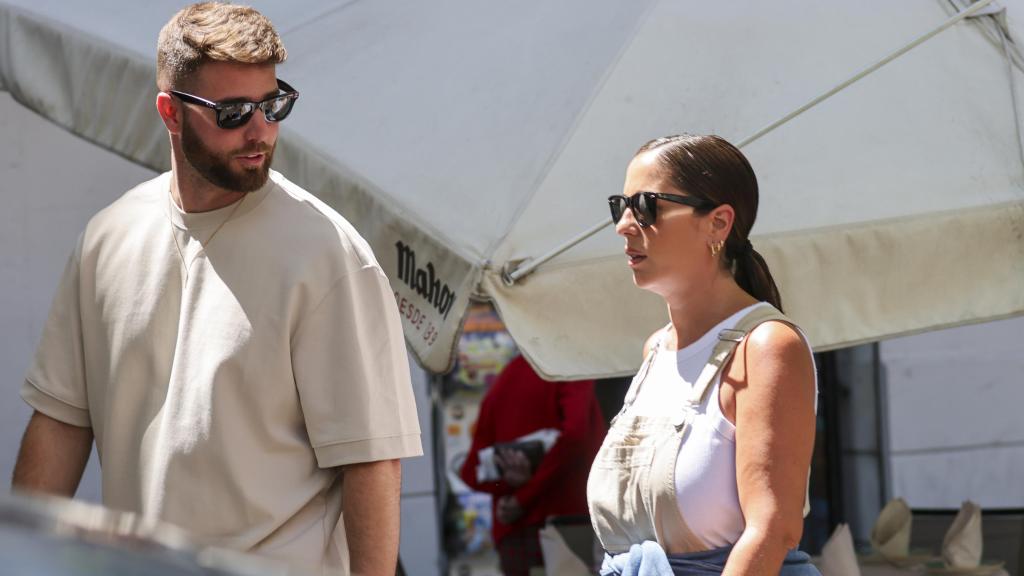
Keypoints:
pixel 54 407
pixel 369 450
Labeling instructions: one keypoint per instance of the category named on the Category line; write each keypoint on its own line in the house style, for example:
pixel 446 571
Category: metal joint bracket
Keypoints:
pixel 730 335
pixel 509 271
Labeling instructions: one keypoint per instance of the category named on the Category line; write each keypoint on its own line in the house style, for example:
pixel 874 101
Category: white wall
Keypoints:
pixel 956 415
pixel 50 184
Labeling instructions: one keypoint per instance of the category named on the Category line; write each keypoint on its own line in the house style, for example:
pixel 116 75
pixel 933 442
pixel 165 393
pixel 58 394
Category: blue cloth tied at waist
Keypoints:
pixel 649 559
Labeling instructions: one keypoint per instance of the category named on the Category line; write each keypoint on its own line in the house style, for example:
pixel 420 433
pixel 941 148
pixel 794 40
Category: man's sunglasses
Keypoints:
pixel 236 113
pixel 644 205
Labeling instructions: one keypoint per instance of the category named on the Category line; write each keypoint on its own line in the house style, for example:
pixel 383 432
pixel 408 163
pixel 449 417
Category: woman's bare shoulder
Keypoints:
pixel 776 351
pixel 772 349
pixel 776 337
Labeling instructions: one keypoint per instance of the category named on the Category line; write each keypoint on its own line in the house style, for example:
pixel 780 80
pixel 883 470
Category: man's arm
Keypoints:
pixel 370 504
pixel 53 456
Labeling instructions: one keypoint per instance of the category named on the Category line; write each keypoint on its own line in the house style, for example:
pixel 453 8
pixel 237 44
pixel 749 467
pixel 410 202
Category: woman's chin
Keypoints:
pixel 642 279
pixel 649 282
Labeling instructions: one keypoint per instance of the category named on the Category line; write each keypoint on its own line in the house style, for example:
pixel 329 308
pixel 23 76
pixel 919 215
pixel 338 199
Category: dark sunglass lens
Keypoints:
pixel 279 108
pixel 235 115
pixel 645 208
pixel 618 206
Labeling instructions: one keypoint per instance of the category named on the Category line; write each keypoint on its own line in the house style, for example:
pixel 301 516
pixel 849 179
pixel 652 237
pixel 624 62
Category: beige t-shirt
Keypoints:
pixel 224 385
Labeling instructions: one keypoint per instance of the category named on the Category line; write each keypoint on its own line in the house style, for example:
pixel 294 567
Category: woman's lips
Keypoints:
pixel 635 258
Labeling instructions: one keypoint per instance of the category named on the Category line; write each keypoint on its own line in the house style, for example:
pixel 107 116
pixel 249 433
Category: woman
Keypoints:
pixel 709 457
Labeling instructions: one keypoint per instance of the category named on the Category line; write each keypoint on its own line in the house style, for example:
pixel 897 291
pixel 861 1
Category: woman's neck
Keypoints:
pixel 695 312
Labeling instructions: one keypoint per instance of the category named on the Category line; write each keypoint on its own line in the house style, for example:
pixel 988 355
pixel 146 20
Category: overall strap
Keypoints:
pixel 641 374
pixel 728 339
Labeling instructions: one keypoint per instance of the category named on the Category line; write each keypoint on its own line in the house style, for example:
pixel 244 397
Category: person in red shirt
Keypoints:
pixel 518 403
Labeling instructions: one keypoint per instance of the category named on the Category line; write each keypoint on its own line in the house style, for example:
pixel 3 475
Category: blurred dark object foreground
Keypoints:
pixel 59 537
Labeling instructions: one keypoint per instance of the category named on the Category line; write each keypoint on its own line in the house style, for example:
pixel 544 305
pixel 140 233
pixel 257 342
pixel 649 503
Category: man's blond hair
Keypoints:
pixel 212 31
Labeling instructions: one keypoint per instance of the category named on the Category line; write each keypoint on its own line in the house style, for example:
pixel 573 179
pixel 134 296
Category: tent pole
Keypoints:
pixel 512 274
pixel 526 267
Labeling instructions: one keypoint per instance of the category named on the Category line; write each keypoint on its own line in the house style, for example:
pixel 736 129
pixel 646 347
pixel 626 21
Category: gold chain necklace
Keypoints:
pixel 204 245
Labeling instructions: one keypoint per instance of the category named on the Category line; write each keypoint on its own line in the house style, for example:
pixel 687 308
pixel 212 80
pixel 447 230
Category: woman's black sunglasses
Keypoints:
pixel 236 113
pixel 645 205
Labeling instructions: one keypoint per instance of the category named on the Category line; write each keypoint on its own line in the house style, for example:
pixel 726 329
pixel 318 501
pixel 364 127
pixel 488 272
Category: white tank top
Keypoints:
pixel 705 474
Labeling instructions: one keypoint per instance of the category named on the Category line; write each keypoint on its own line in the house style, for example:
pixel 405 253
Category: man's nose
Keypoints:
pixel 258 127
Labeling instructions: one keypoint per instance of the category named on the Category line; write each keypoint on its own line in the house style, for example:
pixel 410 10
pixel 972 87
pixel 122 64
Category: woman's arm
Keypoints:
pixel 772 376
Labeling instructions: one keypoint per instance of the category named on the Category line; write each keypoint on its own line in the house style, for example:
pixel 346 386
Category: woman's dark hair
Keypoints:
pixel 712 169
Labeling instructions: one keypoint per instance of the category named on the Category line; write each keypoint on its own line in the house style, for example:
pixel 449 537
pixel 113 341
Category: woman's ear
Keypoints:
pixel 721 220
pixel 170 112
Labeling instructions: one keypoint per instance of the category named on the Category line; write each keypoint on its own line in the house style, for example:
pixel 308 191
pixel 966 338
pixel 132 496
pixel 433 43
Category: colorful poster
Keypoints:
pixel 483 350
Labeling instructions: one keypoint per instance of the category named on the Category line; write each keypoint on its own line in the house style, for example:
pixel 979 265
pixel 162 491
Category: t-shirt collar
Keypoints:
pixel 214 218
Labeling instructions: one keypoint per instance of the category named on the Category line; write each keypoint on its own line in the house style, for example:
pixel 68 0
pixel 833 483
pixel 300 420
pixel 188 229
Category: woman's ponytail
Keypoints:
pixel 752 274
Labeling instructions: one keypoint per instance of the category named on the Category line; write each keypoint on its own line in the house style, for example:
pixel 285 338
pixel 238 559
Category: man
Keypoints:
pixel 518 403
pixel 228 340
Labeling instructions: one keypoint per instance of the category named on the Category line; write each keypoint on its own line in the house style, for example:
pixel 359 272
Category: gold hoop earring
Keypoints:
pixel 716 247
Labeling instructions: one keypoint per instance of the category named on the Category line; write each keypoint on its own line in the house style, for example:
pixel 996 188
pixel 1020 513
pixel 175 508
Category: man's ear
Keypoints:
pixel 170 112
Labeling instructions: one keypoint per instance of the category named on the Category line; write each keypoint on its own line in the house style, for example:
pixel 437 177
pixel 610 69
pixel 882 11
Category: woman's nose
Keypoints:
pixel 626 226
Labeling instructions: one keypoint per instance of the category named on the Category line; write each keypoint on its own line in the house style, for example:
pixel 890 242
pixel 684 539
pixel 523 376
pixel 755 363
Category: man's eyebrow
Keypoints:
pixel 240 99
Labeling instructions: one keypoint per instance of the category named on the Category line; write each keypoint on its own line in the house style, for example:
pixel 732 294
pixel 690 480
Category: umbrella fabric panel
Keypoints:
pixel 932 131
pixel 83 84
pixel 455 109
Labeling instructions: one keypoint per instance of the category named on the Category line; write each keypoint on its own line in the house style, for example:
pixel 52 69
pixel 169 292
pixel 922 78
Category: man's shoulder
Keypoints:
pixel 305 206
pixel 138 205
pixel 313 225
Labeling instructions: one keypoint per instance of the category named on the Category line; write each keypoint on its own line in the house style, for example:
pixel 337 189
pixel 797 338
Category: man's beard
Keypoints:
pixel 217 169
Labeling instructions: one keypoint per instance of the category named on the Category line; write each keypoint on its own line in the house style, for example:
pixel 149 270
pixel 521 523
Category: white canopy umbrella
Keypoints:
pixel 467 139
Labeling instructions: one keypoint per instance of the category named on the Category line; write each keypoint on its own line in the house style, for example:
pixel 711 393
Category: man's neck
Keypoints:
pixel 193 193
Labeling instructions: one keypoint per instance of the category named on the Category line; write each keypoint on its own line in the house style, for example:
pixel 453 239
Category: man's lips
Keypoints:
pixel 254 159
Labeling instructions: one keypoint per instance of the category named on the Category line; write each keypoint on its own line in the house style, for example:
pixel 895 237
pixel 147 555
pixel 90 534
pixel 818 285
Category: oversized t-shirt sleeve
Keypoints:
pixel 55 384
pixel 352 374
